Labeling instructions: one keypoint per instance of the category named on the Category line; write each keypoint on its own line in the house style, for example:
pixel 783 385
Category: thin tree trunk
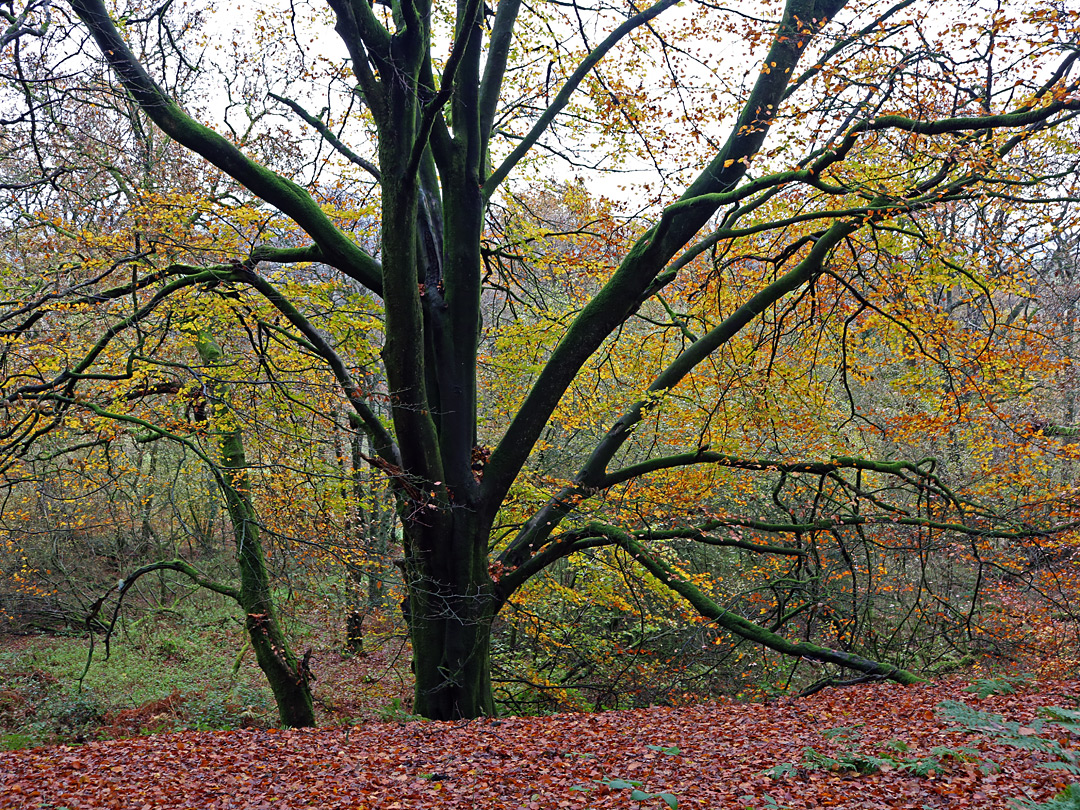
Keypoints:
pixel 287 676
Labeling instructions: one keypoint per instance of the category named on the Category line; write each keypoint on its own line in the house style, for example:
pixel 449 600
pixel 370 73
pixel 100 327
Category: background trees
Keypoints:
pixel 816 292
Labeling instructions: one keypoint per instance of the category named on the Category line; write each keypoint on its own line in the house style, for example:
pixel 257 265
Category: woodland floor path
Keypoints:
pixel 706 756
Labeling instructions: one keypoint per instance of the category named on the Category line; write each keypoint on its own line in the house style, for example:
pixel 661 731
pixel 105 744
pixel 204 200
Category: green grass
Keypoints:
pixel 157 655
pixel 182 658
pixel 188 666
pixel 13 742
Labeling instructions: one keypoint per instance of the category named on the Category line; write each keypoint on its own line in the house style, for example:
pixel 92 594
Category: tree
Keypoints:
pixel 121 182
pixel 860 121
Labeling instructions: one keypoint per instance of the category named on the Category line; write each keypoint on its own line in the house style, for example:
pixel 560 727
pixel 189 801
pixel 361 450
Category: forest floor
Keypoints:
pixel 866 746
pixel 192 670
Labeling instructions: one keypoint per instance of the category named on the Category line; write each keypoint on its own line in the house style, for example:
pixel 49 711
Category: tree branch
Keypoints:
pixel 743 628
pixel 562 98
pixel 382 441
pixel 330 137
pixel 635 277
pixel 182 566
pixel 287 196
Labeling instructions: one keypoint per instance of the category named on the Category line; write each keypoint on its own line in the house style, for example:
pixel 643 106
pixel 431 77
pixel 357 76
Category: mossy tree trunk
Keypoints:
pixel 285 673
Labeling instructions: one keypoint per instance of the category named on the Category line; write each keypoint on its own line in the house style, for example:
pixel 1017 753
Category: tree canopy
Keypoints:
pixel 590 280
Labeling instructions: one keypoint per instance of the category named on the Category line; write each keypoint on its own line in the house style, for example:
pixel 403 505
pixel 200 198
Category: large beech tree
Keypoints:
pixel 857 122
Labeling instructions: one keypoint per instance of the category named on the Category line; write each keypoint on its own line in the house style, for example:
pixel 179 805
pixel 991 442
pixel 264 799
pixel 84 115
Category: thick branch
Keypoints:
pixel 502 34
pixel 365 37
pixel 467 31
pixel 592 474
pixel 286 255
pixel 594 535
pixel 743 628
pixel 624 292
pixel 185 568
pixel 280 192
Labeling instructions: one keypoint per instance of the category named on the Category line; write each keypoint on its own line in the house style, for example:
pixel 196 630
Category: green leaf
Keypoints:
pixel 923 767
pixel 842 733
pixel 782 770
pixel 1071 767
pixel 1067 719
pixel 1068 799
pixel 670 750
pixel 985 687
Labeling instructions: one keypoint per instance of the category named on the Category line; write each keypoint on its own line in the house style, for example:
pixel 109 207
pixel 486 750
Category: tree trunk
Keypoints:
pixel 449 609
pixel 451 646
pixel 288 677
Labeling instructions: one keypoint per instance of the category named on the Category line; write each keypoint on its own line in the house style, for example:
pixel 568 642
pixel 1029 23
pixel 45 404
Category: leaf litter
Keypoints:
pixel 786 753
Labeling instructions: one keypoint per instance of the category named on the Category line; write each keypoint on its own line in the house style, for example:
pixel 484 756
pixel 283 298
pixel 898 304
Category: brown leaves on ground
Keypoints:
pixel 707 756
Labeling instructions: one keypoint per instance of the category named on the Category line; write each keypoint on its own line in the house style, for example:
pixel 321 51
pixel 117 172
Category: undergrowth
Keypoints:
pixel 165 671
pixel 189 666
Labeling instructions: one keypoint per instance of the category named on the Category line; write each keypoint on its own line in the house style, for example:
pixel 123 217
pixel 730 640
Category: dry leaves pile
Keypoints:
pixel 706 756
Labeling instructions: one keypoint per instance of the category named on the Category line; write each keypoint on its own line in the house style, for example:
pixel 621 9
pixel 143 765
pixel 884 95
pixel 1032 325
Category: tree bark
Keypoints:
pixel 286 676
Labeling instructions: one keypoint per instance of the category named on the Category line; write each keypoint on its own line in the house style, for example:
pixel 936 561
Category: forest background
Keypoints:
pixel 531 358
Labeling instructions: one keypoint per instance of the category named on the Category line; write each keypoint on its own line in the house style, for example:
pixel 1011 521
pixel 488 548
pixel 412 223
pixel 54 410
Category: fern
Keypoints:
pixel 1028 738
pixel 985 687
pixel 1067 719
pixel 1068 799
pixel 994 725
pixel 923 767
